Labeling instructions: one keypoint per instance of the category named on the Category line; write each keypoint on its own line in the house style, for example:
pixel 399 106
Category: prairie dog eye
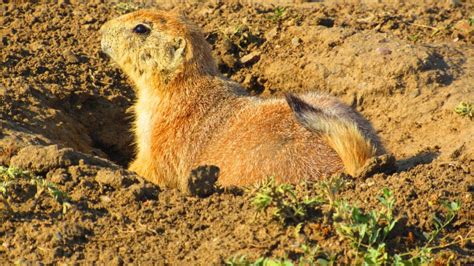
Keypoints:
pixel 141 29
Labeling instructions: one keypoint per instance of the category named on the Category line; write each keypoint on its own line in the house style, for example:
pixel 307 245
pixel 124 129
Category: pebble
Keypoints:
pixel 296 41
pixel 250 58
pixel 271 33
pixel 383 51
pixel 70 57
pixel 88 19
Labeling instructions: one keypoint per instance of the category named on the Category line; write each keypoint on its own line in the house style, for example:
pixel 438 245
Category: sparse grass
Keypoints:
pixel 368 232
pixel 311 256
pixel 278 14
pixel 282 198
pixel 11 176
pixel 465 109
pixel 243 261
pixel 414 38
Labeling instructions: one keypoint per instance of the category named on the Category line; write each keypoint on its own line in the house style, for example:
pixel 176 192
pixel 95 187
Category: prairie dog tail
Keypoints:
pixel 343 135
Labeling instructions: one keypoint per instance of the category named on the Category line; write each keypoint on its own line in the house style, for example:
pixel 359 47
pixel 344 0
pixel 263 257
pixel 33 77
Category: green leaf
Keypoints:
pixel 454 206
pixel 359 217
pixel 323 262
pixel 437 222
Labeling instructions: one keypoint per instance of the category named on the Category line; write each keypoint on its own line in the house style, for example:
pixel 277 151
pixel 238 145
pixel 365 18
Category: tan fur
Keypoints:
pixel 351 146
pixel 188 115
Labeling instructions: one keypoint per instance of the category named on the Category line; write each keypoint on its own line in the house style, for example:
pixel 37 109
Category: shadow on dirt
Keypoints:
pixel 423 157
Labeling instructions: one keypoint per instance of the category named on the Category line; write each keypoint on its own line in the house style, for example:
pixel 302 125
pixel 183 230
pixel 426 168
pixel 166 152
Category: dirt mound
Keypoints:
pixel 64 117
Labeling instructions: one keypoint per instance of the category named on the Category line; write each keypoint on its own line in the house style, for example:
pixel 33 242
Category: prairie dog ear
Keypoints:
pixel 178 50
pixel 180 45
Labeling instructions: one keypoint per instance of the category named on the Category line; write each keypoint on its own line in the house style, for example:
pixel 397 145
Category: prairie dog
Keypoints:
pixel 188 114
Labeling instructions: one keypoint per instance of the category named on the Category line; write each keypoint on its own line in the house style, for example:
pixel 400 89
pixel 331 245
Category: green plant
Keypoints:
pixel 423 255
pixel 414 37
pixel 11 176
pixel 471 21
pixel 287 205
pixel 243 261
pixel 60 196
pixel 331 187
pixel 440 223
pixel 367 231
pixel 278 13
pixel 465 109
pixel 311 256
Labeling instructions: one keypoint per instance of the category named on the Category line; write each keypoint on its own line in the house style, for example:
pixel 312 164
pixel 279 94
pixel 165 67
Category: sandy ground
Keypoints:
pixel 64 115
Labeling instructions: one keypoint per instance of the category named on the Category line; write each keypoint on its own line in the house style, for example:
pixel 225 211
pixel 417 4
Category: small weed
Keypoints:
pixel 60 196
pixel 471 21
pixel 288 206
pixel 11 175
pixel 422 256
pixel 331 188
pixel 278 14
pixel 366 231
pixel 465 109
pixel 314 255
pixel 440 223
pixel 414 37
pixel 243 261
pixel 311 256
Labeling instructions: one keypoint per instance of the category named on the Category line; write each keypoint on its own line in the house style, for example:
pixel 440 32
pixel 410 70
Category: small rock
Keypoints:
pixel 271 33
pixel 296 41
pixel 383 51
pixel 105 199
pixel 116 179
pixel 70 57
pixel 370 182
pixel 250 58
pixel 88 19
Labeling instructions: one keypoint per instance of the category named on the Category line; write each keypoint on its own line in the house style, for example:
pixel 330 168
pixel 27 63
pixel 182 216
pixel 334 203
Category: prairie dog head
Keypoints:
pixel 151 44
